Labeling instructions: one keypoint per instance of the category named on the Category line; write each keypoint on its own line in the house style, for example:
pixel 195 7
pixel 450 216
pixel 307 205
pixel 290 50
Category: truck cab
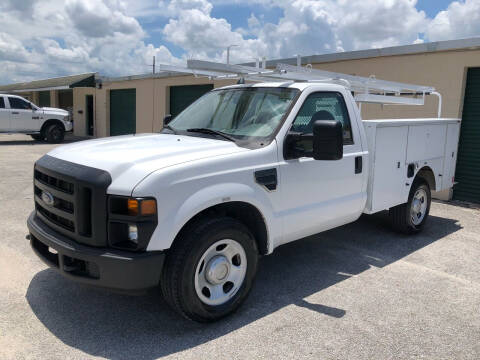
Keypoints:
pixel 241 171
pixel 18 115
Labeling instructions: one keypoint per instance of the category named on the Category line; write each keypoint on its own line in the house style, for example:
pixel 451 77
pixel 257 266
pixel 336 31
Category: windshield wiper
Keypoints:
pixel 212 132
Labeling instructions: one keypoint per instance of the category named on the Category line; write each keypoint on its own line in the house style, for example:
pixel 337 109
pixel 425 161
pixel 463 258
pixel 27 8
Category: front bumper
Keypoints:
pixel 114 269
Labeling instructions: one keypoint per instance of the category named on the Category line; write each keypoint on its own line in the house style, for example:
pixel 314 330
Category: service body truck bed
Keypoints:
pixel 395 144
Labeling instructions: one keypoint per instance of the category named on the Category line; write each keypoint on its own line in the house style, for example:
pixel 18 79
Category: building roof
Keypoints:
pixel 64 82
pixel 428 47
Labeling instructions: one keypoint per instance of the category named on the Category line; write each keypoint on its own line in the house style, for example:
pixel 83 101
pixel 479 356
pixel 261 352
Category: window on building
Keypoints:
pixel 17 103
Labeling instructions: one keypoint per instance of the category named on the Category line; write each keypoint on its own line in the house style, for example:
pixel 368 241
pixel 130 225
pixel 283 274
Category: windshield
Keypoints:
pixel 243 112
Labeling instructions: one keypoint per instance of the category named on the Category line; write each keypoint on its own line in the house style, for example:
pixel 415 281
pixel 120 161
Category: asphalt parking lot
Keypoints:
pixel 357 292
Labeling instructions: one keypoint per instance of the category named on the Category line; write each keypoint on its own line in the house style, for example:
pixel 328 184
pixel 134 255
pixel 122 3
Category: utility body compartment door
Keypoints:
pixel 387 182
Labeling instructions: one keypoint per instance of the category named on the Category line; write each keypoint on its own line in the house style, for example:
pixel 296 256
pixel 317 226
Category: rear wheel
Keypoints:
pixel 210 269
pixel 55 133
pixel 410 217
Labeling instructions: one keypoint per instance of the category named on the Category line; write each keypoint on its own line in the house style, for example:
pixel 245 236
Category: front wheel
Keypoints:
pixel 55 133
pixel 210 269
pixel 410 217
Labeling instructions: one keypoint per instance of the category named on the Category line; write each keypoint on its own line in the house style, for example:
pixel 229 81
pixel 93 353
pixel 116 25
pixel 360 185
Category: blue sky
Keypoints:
pixel 432 7
pixel 45 38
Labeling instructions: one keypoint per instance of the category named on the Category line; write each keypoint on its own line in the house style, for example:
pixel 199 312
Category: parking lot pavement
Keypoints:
pixel 357 292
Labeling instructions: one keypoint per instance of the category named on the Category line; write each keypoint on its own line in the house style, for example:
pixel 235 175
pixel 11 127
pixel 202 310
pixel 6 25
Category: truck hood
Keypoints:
pixel 50 110
pixel 131 158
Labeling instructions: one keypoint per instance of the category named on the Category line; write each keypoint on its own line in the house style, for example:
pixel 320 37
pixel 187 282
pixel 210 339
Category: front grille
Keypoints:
pixel 72 199
pixel 62 211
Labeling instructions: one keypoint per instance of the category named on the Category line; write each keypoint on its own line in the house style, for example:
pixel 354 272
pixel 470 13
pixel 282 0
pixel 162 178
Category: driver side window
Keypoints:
pixel 16 103
pixel 323 106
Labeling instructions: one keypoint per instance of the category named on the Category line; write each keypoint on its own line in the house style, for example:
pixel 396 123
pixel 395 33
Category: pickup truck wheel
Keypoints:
pixel 210 270
pixel 55 134
pixel 411 217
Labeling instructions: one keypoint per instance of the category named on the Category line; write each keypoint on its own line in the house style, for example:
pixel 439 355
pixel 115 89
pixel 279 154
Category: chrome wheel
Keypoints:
pixel 419 205
pixel 220 272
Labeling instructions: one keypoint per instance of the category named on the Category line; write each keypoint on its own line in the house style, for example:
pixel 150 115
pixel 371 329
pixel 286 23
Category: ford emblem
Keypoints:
pixel 48 198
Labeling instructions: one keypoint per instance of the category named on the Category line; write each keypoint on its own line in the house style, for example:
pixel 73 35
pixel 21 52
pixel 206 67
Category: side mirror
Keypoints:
pixel 167 119
pixel 327 140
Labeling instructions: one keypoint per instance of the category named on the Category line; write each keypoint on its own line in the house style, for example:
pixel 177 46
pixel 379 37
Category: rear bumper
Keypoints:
pixel 108 268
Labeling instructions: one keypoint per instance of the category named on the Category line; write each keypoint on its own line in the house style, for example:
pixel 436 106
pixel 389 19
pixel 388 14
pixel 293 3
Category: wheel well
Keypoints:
pixel 426 174
pixel 51 122
pixel 245 213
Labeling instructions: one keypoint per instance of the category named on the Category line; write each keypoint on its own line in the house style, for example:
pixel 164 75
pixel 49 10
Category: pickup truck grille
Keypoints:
pixel 62 211
pixel 71 199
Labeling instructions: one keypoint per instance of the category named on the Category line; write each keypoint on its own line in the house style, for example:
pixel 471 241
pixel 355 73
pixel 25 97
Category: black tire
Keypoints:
pixel 55 133
pixel 37 137
pixel 178 276
pixel 400 215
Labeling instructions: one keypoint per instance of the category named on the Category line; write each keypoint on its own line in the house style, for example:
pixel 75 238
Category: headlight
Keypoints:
pixel 67 118
pixel 131 222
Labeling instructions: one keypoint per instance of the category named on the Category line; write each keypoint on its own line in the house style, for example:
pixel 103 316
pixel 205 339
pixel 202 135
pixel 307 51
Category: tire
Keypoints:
pixel 401 216
pixel 37 137
pixel 55 133
pixel 198 253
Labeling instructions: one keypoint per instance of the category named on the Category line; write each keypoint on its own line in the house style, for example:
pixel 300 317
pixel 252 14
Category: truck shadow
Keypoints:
pixel 143 327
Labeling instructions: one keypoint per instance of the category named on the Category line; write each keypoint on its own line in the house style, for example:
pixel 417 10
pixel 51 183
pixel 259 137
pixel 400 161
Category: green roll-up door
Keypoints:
pixel 44 98
pixel 182 96
pixel 467 173
pixel 123 111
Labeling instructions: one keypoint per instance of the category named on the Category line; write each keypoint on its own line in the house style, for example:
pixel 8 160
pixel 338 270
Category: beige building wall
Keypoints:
pixel 446 71
pixel 152 101
pixel 80 110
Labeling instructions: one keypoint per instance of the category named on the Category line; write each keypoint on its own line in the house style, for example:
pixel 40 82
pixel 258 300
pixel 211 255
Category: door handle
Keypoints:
pixel 358 164
pixel 15 112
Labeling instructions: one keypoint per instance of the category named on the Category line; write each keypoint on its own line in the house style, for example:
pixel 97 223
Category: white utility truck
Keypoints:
pixel 18 115
pixel 244 169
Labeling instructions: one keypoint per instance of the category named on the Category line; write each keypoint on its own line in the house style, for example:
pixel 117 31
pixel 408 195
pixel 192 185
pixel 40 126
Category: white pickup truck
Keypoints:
pixel 18 115
pixel 241 171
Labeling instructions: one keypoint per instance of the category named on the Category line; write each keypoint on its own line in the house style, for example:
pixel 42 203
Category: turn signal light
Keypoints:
pixel 148 207
pixel 132 207
pixel 142 207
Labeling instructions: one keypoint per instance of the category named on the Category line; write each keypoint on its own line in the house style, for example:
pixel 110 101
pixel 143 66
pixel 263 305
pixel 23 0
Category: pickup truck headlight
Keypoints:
pixel 67 118
pixel 131 222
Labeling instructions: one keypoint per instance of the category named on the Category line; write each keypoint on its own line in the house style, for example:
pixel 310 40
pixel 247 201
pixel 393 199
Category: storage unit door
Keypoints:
pixel 467 173
pixel 44 98
pixel 123 111
pixel 182 96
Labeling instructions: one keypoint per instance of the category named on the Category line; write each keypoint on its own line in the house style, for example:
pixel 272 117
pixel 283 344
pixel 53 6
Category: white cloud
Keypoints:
pixel 74 36
pixel 307 27
pixel 44 38
pixel 459 20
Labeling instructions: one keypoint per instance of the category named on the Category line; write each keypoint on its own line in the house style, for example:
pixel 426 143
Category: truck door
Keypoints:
pixel 4 116
pixel 21 115
pixel 318 195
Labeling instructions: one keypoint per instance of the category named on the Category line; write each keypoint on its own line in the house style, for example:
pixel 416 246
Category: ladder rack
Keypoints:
pixel 365 89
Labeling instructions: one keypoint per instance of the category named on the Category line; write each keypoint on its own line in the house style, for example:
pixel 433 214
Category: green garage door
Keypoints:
pixel 44 98
pixel 123 111
pixel 467 173
pixel 182 96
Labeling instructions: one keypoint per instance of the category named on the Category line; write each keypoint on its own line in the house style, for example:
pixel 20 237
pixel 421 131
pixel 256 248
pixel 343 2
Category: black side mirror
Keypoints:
pixel 167 119
pixel 327 140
